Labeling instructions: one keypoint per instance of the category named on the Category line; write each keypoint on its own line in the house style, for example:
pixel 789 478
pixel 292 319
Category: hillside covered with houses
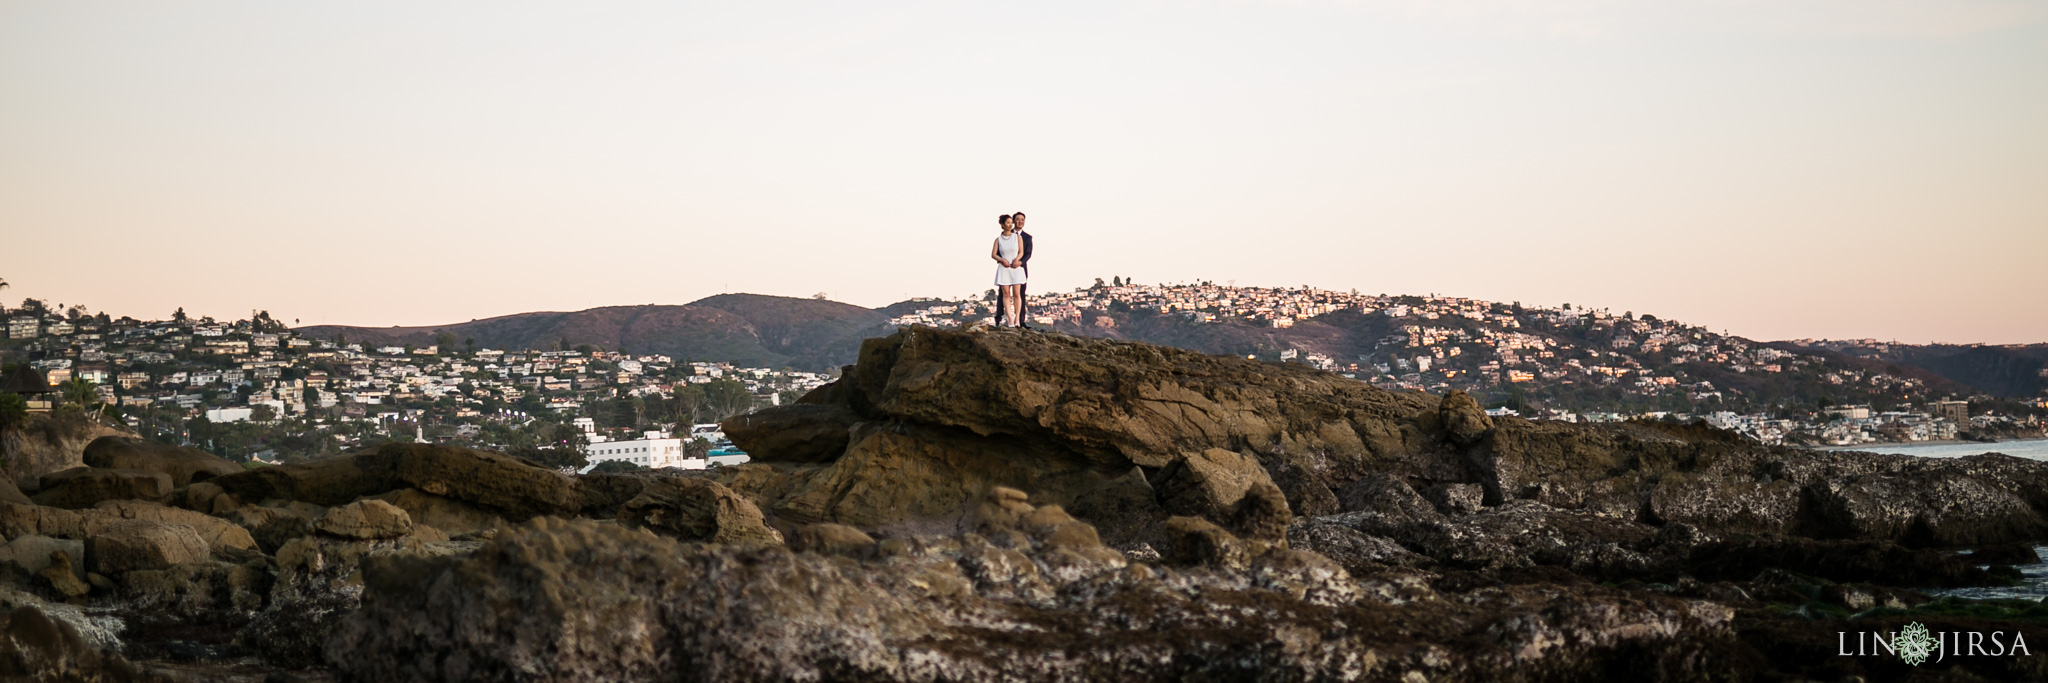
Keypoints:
pixel 258 389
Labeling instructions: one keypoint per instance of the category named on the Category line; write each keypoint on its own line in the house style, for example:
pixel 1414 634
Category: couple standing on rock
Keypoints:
pixel 1012 253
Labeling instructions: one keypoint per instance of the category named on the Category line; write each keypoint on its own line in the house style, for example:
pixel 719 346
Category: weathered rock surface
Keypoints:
pixel 365 519
pixel 493 481
pixel 793 433
pixel 85 486
pixel 32 553
pixel 184 465
pixel 48 443
pixel 698 510
pixel 142 544
pixel 1002 505
pixel 558 594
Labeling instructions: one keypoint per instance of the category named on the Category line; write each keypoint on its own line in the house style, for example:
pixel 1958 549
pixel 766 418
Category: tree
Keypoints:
pixel 262 412
pixel 444 342
pixel 1098 284
pixel 725 398
pixel 612 466
pixel 469 343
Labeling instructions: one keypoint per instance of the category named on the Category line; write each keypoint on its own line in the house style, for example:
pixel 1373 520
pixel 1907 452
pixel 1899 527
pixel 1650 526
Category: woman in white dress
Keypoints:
pixel 1009 272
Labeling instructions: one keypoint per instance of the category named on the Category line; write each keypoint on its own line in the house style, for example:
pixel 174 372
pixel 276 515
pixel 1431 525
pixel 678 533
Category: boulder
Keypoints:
pixel 604 492
pixel 329 481
pixel 32 553
pixel 793 433
pixel 1729 503
pixel 495 481
pixel 1455 498
pixel 142 544
pixel 65 576
pixel 184 465
pixel 1942 508
pixel 1209 483
pixel 445 514
pixel 199 497
pixel 1464 422
pixel 40 520
pixel 1385 494
pixel 84 487
pixel 216 532
pixel 365 520
pixel 1356 552
pixel 697 510
pixel 831 539
pixel 908 478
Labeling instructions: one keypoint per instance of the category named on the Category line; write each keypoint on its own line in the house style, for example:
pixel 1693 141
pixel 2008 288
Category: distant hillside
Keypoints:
pixel 747 329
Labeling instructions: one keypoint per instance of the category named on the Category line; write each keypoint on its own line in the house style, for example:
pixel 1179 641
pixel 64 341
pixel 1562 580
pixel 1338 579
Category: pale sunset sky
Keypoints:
pixel 1774 168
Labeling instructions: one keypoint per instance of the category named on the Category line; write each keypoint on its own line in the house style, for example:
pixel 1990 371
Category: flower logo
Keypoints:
pixel 1914 643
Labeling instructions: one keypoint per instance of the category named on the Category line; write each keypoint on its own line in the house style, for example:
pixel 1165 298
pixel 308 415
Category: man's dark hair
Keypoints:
pixel 1019 214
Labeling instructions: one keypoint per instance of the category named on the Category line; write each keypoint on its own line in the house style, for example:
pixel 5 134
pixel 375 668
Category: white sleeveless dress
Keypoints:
pixel 1007 247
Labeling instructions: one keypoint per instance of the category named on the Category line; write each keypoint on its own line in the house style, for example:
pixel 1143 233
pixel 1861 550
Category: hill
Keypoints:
pixel 748 329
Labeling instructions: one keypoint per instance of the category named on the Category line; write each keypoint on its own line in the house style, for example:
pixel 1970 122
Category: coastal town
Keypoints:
pixel 254 389
pixel 205 382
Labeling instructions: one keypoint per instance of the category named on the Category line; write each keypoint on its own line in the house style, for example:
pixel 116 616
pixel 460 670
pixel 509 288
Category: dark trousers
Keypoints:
pixel 1023 305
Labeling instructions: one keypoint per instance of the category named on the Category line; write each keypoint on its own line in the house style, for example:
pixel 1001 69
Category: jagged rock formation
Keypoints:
pixel 1002 505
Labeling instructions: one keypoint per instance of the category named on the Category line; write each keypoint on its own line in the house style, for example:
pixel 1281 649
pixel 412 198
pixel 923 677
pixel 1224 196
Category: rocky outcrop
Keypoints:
pixel 365 519
pixel 558 594
pixel 793 433
pixel 81 487
pixel 143 544
pixel 184 465
pixel 493 481
pixel 1007 505
pixel 49 443
pixel 697 510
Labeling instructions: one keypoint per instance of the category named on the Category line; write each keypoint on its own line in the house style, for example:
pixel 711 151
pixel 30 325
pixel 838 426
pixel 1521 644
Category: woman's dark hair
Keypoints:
pixel 1005 218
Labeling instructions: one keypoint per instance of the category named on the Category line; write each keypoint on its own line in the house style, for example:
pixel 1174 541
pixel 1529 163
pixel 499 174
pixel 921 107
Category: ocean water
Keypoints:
pixel 2031 449
pixel 2033 584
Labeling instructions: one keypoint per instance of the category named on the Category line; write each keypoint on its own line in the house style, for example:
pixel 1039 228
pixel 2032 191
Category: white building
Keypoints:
pixel 653 451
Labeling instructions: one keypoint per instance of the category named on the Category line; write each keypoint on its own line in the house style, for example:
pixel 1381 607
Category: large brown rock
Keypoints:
pixel 1464 422
pixel 1209 483
pixel 1118 403
pixel 697 510
pixel 142 544
pixel 328 481
pixel 491 480
pixel 910 477
pixel 215 531
pixel 185 465
pixel 32 553
pixel 503 484
pixel 447 514
pixel 84 487
pixel 365 519
pixel 793 433
pixel 547 600
pixel 1928 509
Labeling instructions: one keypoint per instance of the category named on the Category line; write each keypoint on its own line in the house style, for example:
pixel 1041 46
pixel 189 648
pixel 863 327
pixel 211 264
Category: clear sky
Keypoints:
pixel 1774 168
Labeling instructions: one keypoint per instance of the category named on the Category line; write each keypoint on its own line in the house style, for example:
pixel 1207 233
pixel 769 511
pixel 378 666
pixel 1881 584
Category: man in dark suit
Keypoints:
pixel 1023 310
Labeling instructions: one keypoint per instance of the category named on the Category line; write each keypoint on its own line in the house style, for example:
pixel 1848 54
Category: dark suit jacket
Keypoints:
pixel 1025 260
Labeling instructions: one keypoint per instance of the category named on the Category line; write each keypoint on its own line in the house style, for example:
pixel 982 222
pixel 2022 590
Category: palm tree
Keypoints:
pixel 83 392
